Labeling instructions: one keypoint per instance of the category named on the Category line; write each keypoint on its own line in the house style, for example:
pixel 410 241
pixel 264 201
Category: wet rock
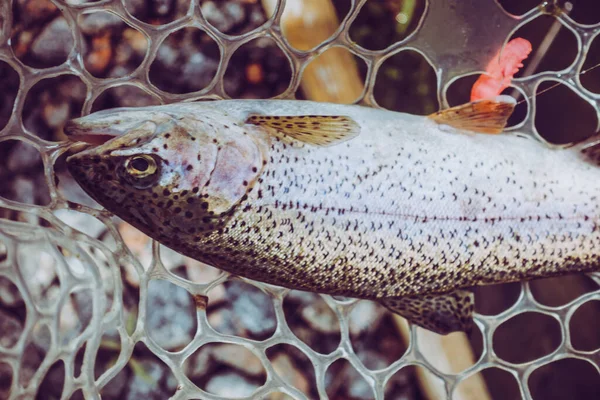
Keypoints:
pixel 135 7
pixel 171 321
pixel 315 311
pixel 10 329
pixel 10 296
pixel 157 11
pixel 145 384
pixel 223 15
pixel 52 384
pixel 116 386
pixel 84 307
pixel 200 272
pixel 186 61
pixel 98 22
pixel 364 316
pixel 253 307
pixel 161 7
pixel 234 17
pixel 285 368
pixel 248 311
pixel 230 385
pixel 40 268
pixel 54 44
pixel 343 381
pixel 81 221
pixel 238 357
pixel 6 375
pixel 22 156
pixel 170 258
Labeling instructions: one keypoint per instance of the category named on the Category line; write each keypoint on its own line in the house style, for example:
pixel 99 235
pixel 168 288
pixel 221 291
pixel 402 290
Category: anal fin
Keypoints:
pixel 443 314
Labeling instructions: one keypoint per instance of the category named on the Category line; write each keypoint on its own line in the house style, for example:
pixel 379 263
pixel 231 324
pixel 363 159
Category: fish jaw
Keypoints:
pixel 102 126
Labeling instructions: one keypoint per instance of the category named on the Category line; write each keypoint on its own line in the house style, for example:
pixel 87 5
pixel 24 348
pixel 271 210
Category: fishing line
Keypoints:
pixel 555 85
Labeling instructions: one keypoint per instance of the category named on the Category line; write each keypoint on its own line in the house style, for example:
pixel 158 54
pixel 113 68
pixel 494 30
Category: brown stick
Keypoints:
pixel 451 352
pixel 332 76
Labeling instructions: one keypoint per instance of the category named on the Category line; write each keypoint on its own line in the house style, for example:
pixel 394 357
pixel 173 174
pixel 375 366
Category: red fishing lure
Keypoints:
pixel 501 69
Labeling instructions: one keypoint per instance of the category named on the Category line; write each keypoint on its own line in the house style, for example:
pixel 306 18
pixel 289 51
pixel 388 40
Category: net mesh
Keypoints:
pixel 65 266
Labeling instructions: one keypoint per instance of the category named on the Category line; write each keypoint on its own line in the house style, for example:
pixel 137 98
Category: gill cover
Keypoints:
pixel 223 162
pixel 240 160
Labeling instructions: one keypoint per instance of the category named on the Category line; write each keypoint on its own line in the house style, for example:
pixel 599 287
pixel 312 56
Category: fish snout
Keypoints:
pixel 81 130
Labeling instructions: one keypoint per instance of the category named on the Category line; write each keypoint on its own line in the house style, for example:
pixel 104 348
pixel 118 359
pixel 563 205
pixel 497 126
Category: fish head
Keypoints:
pixel 171 176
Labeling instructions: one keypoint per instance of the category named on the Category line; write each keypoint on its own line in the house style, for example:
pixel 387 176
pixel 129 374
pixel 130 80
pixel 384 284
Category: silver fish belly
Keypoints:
pixel 405 209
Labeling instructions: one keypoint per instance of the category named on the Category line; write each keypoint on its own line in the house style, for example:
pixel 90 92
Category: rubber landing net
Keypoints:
pixel 90 308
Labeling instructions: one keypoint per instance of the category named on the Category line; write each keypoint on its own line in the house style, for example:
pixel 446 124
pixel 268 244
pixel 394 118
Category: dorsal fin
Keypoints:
pixel 482 116
pixel 318 130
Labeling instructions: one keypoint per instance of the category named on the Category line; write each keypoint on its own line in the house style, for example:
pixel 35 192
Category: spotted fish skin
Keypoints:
pixel 406 208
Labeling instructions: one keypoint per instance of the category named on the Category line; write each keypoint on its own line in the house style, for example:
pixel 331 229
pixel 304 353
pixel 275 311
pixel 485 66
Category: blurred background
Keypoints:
pixel 59 60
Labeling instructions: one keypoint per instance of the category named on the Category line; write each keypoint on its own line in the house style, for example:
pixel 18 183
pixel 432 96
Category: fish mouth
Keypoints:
pixel 96 135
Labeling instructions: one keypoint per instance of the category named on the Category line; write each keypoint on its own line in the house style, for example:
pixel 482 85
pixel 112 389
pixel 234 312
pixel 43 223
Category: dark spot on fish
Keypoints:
pixel 189 214
pixel 166 192
pixel 189 168
pixel 168 135
pixel 165 146
pixel 177 210
pixel 196 189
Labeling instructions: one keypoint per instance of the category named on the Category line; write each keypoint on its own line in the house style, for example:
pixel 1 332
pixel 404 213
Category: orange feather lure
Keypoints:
pixel 501 70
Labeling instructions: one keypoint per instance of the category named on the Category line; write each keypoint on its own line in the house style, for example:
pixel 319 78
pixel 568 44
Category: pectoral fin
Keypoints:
pixel 317 130
pixel 482 116
pixel 442 314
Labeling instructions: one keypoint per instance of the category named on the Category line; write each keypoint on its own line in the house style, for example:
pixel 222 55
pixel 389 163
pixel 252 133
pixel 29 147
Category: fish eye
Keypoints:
pixel 141 166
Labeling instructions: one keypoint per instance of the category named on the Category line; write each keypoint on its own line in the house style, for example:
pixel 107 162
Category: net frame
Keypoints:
pixel 18 237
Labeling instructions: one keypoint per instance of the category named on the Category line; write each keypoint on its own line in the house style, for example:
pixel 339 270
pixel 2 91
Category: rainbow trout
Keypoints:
pixel 348 200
